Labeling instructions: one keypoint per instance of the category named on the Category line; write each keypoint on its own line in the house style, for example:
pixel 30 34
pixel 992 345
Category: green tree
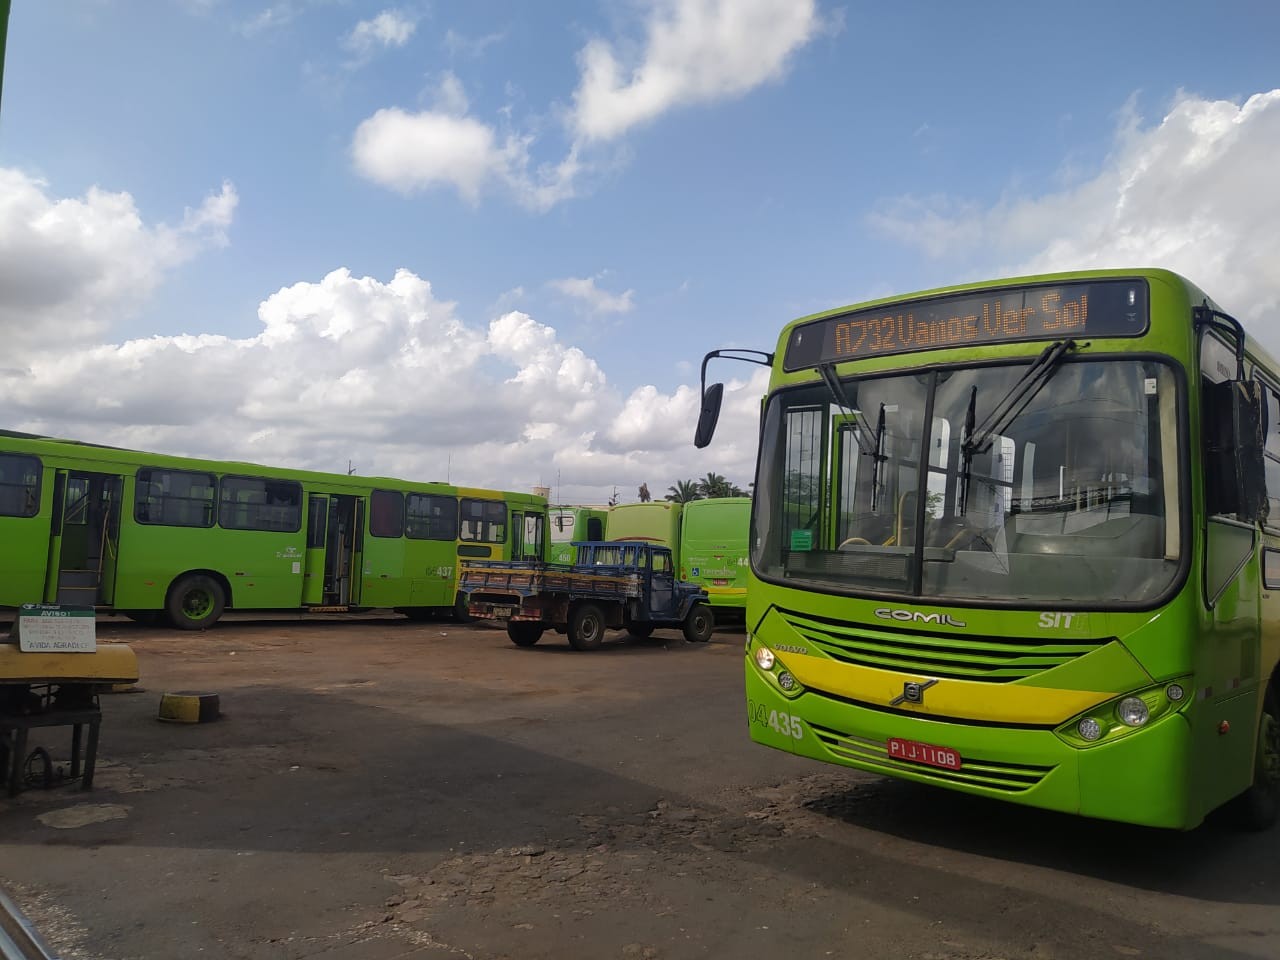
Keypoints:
pixel 713 485
pixel 682 491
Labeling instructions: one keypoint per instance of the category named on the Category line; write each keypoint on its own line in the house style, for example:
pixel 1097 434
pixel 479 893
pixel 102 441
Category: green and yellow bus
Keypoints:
pixel 569 524
pixel 149 535
pixel 1021 539
pixel 713 552
pixel 657 521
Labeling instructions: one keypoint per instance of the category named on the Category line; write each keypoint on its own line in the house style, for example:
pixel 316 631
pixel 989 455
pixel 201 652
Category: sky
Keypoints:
pixel 490 242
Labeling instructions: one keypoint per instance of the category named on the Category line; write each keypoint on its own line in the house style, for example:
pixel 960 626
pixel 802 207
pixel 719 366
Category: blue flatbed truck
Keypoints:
pixel 614 585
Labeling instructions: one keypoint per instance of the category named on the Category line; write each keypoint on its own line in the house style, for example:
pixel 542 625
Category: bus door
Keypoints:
pixel 527 534
pixel 84 542
pixel 313 565
pixel 342 555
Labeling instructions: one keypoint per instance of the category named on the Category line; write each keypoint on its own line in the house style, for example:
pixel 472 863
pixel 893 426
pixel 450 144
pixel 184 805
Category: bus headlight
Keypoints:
pixel 786 681
pixel 1132 712
pixel 1125 715
pixel 764 658
pixel 1089 728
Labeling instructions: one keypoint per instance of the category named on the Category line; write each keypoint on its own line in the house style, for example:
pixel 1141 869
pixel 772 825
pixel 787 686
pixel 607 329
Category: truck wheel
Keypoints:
pixel 1258 808
pixel 523 633
pixel 641 631
pixel 586 627
pixel 460 613
pixel 195 602
pixel 699 624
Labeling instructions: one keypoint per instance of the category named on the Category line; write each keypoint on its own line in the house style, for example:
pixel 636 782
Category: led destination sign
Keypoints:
pixel 1100 308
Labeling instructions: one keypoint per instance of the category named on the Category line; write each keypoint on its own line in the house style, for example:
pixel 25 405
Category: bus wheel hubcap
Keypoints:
pixel 1270 748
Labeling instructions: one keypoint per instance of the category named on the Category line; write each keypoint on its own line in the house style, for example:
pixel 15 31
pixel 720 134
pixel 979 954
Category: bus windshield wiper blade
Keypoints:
pixel 866 443
pixel 1011 405
pixel 1007 409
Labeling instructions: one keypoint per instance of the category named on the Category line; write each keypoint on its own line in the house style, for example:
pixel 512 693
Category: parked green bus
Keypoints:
pixel 655 522
pixel 713 551
pixel 1016 539
pixel 569 524
pixel 146 535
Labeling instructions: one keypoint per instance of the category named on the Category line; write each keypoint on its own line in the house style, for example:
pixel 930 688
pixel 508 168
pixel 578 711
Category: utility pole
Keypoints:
pixel 4 34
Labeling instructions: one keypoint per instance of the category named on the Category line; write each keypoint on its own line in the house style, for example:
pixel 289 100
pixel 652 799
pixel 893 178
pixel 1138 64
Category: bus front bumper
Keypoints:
pixel 1141 778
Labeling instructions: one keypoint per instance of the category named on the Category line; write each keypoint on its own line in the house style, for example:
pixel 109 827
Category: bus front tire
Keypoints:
pixel 195 602
pixel 586 627
pixel 1258 808
pixel 699 624
pixel 640 631
pixel 523 633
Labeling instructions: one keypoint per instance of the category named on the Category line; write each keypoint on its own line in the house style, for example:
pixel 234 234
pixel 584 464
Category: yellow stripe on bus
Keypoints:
pixel 962 699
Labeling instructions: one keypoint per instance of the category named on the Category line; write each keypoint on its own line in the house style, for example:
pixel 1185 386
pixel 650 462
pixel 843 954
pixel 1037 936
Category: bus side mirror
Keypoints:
pixel 711 399
pixel 1235 439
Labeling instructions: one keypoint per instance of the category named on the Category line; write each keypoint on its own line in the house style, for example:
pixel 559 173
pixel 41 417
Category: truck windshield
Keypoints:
pixel 1074 499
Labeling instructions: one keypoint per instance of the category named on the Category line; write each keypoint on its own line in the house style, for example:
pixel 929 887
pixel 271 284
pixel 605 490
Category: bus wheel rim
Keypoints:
pixel 1270 743
pixel 197 603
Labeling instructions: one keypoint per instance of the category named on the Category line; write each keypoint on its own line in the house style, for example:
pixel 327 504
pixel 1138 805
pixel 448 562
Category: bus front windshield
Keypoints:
pixel 1071 499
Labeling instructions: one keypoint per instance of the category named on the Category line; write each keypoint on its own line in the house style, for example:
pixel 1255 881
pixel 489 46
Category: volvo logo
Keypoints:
pixel 915 616
pixel 912 692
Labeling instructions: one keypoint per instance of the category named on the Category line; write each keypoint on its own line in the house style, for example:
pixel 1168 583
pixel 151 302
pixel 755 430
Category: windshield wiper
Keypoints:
pixel 861 435
pixel 1009 408
pixel 869 444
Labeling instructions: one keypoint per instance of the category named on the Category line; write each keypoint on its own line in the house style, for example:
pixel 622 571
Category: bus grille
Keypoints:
pixel 974 772
pixel 955 656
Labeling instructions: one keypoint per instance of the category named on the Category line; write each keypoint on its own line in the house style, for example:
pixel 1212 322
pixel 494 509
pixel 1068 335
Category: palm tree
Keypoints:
pixel 713 485
pixel 682 491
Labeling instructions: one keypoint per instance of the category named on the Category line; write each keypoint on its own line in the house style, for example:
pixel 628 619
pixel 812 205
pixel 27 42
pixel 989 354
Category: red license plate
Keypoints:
pixel 719 583
pixel 927 753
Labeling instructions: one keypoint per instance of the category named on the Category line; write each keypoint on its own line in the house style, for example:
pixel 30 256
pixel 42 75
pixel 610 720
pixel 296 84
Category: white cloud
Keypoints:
pixel 696 51
pixel 1195 192
pixel 390 28
pixel 270 18
pixel 413 151
pixel 385 374
pixel 450 97
pixel 417 151
pixel 593 298
pixel 76 264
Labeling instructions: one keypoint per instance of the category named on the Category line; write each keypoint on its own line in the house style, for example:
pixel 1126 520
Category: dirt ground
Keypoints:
pixel 380 789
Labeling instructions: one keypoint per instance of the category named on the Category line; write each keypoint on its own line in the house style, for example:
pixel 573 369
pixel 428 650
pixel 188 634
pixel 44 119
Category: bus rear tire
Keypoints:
pixel 523 633
pixel 460 613
pixel 195 602
pixel 586 627
pixel 1258 808
pixel 699 624
pixel 640 631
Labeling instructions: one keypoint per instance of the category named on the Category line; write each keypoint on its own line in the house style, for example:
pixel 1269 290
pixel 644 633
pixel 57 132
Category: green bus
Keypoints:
pixel 149 535
pixel 569 524
pixel 713 551
pixel 657 521
pixel 1015 539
